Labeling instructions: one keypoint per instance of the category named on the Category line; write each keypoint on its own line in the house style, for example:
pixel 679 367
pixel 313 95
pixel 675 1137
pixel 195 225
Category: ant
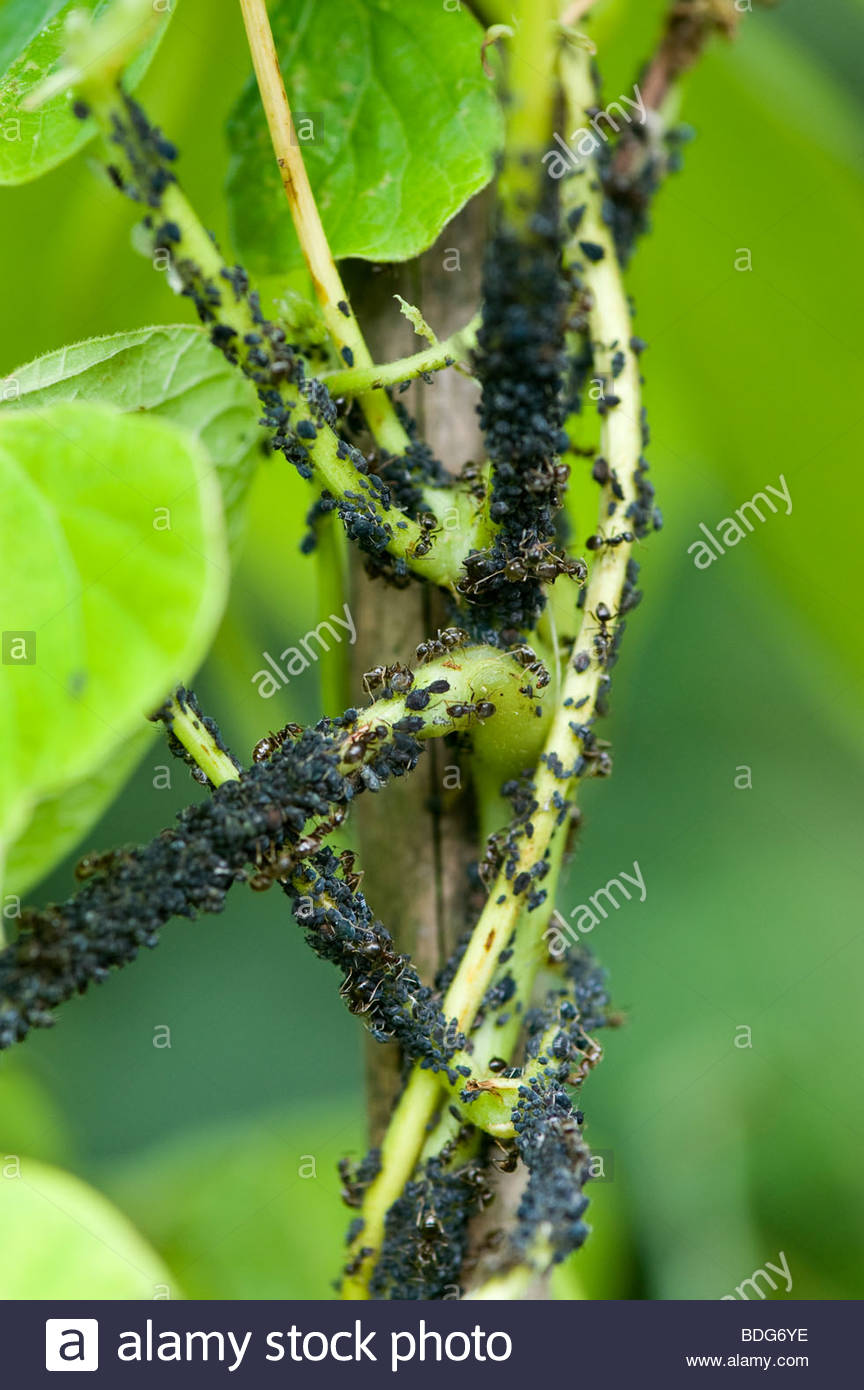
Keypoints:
pixel 353 878
pixel 472 474
pixel 267 746
pixel 483 709
pixel 423 545
pixel 595 542
pixel 398 677
pixel 490 864
pixel 529 660
pixel 354 750
pixel 448 639
pixel 604 640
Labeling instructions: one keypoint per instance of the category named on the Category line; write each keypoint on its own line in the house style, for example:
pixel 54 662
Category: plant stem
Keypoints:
pixel 199 742
pixel 531 89
pixel 198 258
pixel 356 380
pixel 344 329
pixel 568 741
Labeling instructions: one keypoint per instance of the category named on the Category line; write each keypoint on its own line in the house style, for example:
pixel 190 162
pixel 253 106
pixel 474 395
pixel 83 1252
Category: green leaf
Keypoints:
pixel 115 576
pixel 62 1239
pixel 397 122
pixel 173 372
pixel 57 823
pixel 32 43
pixel 31 1118
pixel 272 1183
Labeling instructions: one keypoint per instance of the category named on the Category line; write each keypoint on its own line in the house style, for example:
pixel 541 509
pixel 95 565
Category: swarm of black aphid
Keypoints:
pixel 426 1231
pixel 379 983
pixel 549 1142
pixel 632 172
pixel 588 987
pixel 188 869
pixel 263 354
pixel 519 363
pixel 407 474
pixel 521 793
pixel 559 1053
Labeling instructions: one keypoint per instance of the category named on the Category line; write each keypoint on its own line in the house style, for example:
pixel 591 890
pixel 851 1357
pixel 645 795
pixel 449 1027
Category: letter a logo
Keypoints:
pixel 71 1344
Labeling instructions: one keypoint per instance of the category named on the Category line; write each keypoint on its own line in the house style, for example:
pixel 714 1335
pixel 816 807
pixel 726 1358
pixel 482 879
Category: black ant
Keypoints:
pixel 472 474
pixel 354 750
pixel 527 658
pixel 483 709
pixel 597 541
pixel 604 640
pixel 493 857
pixel 448 639
pixel 398 677
pixel 353 878
pixel 267 746
pixel 423 545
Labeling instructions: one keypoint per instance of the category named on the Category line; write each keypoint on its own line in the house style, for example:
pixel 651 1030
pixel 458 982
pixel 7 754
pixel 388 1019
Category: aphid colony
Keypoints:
pixel 269 825
pixel 249 824
pixel 519 363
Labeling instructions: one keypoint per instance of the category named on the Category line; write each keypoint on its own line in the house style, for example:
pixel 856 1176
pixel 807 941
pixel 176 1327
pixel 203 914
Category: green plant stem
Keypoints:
pixel 531 89
pixel 609 321
pixel 473 674
pixel 515 1282
pixel 199 743
pixel 198 261
pixel 354 381
pixel 338 475
pixel 342 324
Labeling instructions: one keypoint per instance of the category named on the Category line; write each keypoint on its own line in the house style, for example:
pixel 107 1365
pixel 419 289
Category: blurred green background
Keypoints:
pixel 719 1156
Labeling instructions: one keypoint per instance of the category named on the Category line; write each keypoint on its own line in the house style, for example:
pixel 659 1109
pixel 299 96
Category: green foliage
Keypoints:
pixel 113 535
pixel 58 822
pixel 31 45
pixel 31 1121
pixel 771 359
pixel 405 128
pixel 62 1239
pixel 733 666
pixel 172 372
pixel 273 1185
